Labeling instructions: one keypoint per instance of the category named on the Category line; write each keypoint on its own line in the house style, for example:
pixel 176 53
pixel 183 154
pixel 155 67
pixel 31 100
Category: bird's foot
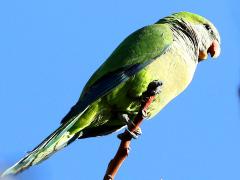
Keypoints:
pixel 130 125
pixel 154 88
pixel 144 113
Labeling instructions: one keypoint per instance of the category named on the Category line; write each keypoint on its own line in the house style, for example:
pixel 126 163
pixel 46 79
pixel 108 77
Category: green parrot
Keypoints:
pixel 167 51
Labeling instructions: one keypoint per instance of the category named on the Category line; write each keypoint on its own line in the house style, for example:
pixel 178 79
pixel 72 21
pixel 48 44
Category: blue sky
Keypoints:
pixel 49 49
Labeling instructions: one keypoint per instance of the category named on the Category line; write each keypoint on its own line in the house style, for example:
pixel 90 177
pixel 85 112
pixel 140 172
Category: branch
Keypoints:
pixel 148 96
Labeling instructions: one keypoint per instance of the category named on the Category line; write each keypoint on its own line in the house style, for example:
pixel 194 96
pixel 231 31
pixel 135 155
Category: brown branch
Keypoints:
pixel 126 137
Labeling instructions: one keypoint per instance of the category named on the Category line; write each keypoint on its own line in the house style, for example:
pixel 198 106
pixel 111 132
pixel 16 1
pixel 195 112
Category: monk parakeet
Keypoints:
pixel 168 51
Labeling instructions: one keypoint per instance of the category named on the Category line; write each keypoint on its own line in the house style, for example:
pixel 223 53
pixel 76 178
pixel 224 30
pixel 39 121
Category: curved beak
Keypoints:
pixel 214 49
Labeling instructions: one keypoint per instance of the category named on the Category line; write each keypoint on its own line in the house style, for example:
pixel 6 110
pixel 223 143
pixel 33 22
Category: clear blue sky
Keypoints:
pixel 49 49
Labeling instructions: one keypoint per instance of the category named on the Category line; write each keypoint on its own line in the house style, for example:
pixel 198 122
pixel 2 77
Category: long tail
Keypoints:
pixel 59 139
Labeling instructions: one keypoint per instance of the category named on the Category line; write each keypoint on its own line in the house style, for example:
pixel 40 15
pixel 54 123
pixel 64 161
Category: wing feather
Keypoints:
pixel 135 53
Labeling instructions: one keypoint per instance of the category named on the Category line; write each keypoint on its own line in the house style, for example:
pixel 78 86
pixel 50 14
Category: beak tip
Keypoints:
pixel 214 49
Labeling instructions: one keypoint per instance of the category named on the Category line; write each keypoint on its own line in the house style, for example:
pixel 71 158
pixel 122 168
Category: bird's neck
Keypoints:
pixel 185 36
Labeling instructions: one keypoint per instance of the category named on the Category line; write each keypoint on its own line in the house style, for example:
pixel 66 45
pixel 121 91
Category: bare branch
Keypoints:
pixel 126 137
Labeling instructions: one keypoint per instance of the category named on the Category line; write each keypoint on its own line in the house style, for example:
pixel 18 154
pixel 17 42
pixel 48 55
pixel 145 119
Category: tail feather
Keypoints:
pixel 59 139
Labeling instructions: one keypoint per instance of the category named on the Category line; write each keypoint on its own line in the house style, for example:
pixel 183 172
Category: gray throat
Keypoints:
pixel 185 35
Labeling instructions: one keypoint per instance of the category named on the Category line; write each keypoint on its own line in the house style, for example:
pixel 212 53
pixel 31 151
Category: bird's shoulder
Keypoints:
pixel 139 47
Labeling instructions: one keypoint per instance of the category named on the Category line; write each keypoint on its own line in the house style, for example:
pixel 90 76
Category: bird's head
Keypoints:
pixel 206 33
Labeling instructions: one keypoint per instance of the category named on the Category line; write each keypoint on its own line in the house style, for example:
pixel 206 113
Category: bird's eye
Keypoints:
pixel 207 27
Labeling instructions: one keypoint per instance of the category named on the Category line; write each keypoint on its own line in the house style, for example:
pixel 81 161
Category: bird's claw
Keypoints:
pixel 136 133
pixel 144 113
pixel 124 117
pixel 130 125
pixel 154 88
pixel 127 120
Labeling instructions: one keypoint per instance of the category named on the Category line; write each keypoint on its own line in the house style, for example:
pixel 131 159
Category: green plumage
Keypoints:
pixel 167 51
pixel 141 46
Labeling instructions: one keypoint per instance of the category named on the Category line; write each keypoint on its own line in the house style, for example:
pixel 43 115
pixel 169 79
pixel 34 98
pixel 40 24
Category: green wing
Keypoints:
pixel 136 52
pixel 133 54
pixel 141 46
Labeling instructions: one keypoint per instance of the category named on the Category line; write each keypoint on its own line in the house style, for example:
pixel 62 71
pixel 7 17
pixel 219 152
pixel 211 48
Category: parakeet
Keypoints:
pixel 168 51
